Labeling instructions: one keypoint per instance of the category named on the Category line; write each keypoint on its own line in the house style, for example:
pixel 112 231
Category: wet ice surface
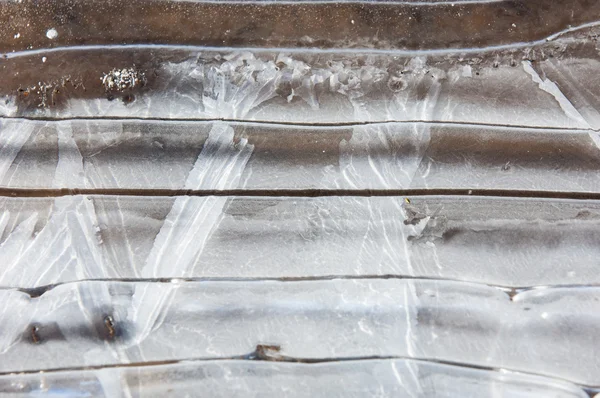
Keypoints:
pixel 227 378
pixel 281 274
pixel 506 242
pixel 101 323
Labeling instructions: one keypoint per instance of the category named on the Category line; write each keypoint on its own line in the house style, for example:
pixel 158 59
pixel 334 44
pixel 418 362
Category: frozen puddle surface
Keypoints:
pixel 215 198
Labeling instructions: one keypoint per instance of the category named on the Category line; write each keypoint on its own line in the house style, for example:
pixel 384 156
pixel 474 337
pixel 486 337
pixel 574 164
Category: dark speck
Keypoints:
pixel 128 99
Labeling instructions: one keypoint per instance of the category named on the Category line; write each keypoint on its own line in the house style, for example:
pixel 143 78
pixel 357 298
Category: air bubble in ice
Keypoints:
pixel 52 34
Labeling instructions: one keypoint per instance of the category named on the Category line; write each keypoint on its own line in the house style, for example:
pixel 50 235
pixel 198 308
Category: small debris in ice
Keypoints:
pixel 44 59
pixel 52 34
pixel 17 35
pixel 47 92
pixel 123 79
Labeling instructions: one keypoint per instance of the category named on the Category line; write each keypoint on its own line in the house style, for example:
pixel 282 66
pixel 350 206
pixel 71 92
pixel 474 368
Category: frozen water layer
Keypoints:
pixel 231 378
pixel 548 332
pixel 498 241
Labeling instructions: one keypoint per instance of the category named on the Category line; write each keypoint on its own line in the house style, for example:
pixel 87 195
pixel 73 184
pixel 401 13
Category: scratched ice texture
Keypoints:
pixel 499 241
pixel 309 320
pixel 312 198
